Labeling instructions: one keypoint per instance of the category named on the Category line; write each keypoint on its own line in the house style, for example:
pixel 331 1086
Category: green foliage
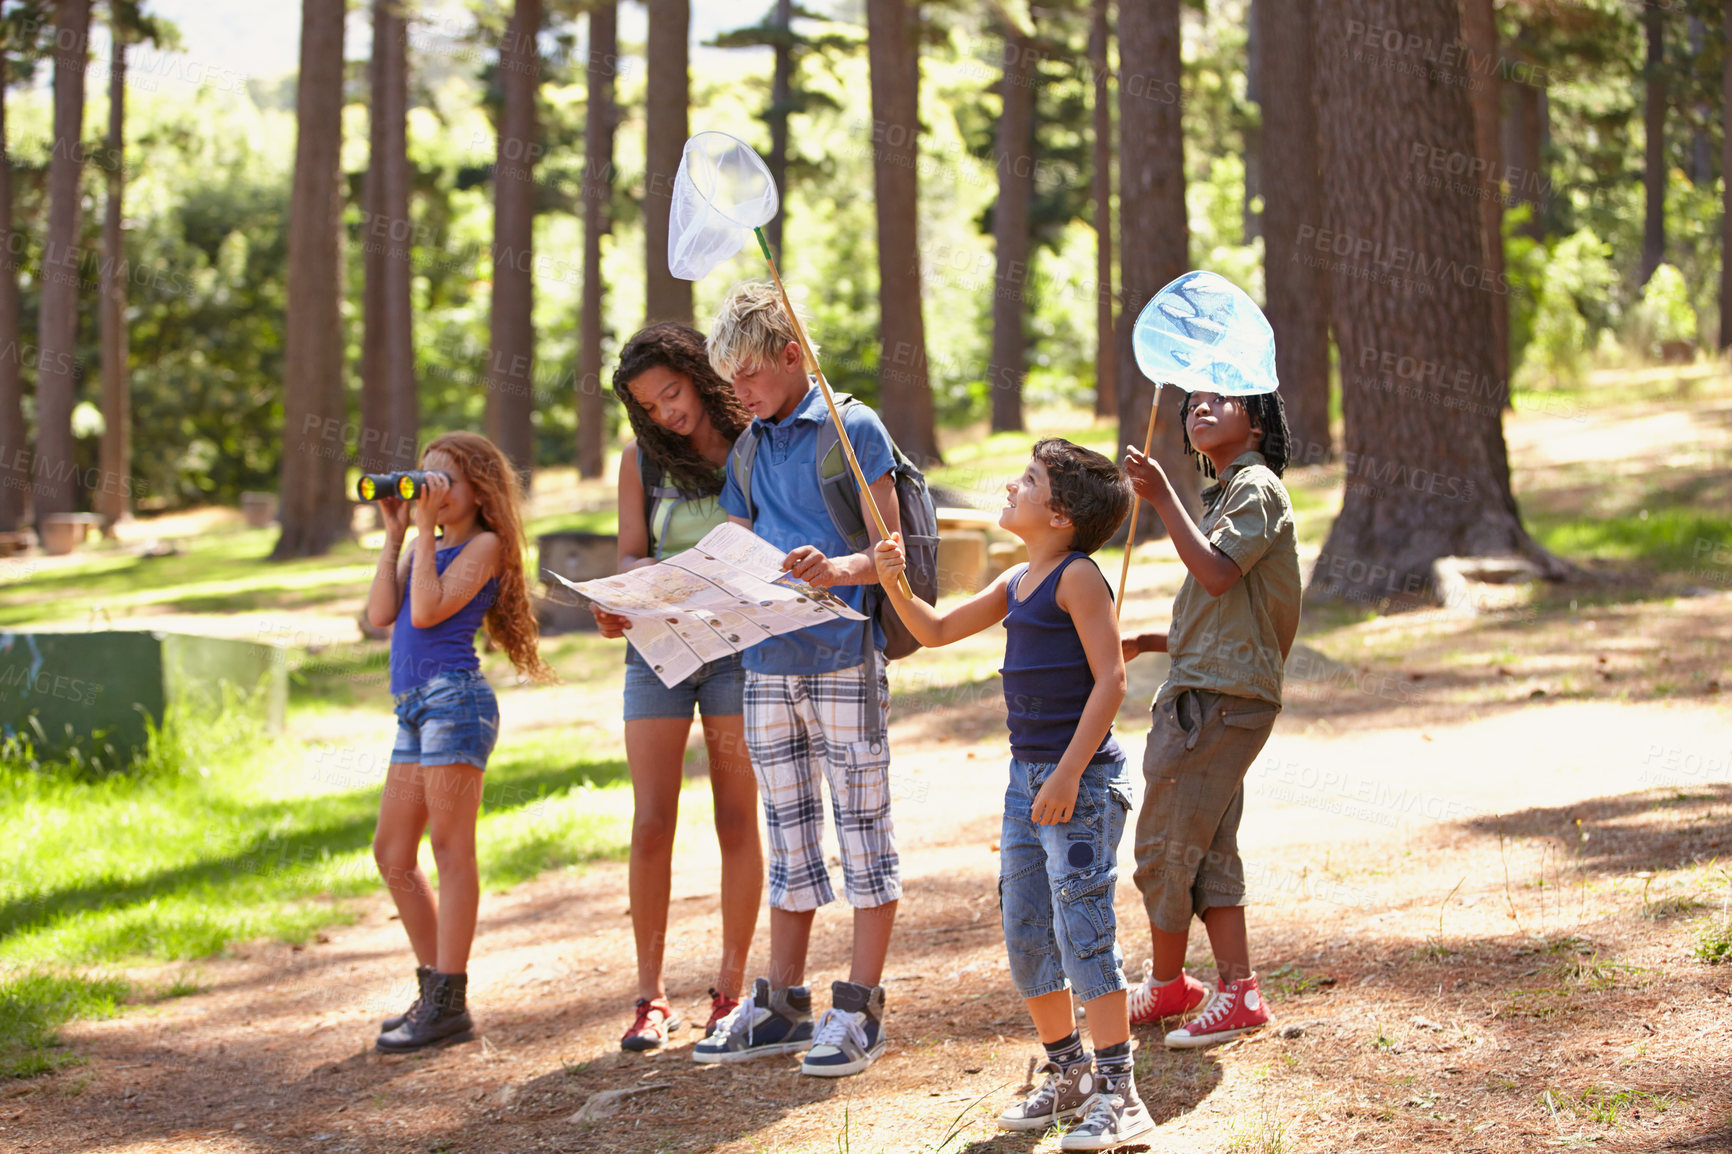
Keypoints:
pixel 1568 283
pixel 1665 315
pixel 33 1004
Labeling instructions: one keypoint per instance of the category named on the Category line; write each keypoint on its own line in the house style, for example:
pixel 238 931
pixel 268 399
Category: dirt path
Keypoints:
pixel 1353 839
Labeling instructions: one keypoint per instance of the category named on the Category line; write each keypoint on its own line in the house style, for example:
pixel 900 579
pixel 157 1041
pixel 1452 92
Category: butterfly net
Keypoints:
pixel 1203 333
pixel 721 193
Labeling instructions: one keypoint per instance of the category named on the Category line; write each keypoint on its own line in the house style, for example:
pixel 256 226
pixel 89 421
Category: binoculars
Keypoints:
pixel 407 485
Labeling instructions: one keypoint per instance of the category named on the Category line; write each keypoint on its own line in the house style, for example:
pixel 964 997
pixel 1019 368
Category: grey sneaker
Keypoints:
pixel 769 1022
pixel 1062 1097
pixel 1114 1117
pixel 850 1035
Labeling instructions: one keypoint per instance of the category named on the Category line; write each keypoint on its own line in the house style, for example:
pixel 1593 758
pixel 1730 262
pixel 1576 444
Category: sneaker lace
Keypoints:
pixel 1142 994
pixel 1214 1013
pixel 839 1026
pixel 738 1020
pixel 1099 1117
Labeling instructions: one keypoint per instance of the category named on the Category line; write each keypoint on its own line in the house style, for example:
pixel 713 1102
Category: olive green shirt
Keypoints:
pixel 677 524
pixel 1232 643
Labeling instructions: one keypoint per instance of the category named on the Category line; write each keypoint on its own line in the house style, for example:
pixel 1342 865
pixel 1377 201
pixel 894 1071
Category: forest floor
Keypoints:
pixel 1490 858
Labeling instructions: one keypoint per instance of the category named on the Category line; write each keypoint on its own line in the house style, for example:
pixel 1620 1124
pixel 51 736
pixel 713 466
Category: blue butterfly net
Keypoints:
pixel 1203 333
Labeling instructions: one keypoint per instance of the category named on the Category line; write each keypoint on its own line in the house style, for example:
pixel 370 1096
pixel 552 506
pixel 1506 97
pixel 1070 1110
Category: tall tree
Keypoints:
pixel 1726 181
pixel 1252 224
pixel 1654 153
pixel 1479 31
pixel 1013 156
pixel 667 298
pixel 893 58
pixel 57 319
pixel 1106 378
pixel 600 119
pixel 313 506
pixel 1154 234
pixel 511 361
pixel 14 437
pixel 390 403
pixel 781 104
pixel 1427 477
pixel 113 496
pixel 1296 289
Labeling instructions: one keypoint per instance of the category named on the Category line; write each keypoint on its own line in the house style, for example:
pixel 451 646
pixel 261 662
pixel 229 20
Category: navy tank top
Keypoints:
pixel 420 655
pixel 1047 679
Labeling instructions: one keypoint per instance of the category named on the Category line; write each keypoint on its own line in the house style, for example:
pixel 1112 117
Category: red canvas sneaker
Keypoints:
pixel 1151 1002
pixel 1237 1010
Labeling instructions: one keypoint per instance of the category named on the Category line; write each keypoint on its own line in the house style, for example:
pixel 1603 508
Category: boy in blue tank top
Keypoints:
pixel 1069 791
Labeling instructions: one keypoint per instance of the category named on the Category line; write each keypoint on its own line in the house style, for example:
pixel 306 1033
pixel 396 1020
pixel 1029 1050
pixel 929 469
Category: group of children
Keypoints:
pixel 815 707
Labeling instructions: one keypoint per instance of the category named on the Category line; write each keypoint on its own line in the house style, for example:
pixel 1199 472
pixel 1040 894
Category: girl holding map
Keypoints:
pixel 685 418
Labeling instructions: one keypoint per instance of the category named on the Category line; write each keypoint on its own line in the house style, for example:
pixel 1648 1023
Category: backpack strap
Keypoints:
pixel 741 456
pixel 655 487
pixel 836 480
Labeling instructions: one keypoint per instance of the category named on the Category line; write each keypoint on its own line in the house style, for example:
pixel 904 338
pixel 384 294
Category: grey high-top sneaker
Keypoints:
pixel 850 1035
pixel 1062 1097
pixel 1113 1117
pixel 768 1022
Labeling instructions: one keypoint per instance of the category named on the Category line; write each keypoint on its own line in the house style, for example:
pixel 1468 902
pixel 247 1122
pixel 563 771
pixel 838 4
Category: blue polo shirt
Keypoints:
pixel 791 513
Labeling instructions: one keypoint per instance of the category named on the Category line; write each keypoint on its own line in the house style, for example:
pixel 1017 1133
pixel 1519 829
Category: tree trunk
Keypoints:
pixel 1153 229
pixel 1250 224
pixel 57 322
pixel 905 389
pixel 1654 155
pixel 1725 185
pixel 313 506
pixel 597 220
pixel 511 362
pixel 1479 30
pixel 1427 470
pixel 113 497
pixel 781 98
pixel 1297 291
pixel 14 438
pixel 1106 378
pixel 1524 138
pixel 1014 156
pixel 668 298
pixel 390 400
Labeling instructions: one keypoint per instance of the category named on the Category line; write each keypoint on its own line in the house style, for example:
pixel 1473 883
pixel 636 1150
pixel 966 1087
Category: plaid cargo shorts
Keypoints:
pixel 804 728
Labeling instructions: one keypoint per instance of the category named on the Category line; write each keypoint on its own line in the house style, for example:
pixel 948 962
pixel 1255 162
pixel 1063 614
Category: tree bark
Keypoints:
pixel 1250 222
pixel 1524 139
pixel 1014 157
pixel 390 400
pixel 1725 184
pixel 781 99
pixel 1427 470
pixel 1479 31
pixel 905 391
pixel 14 438
pixel 313 506
pixel 1654 154
pixel 54 470
pixel 668 298
pixel 113 496
pixel 511 361
pixel 1154 232
pixel 597 220
pixel 1296 290
pixel 1106 377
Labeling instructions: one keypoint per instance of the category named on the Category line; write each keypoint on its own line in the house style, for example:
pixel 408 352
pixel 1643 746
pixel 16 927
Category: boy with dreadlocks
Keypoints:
pixel 1233 623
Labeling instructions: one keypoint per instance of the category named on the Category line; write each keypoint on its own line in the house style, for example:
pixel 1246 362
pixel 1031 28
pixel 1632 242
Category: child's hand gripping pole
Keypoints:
pixel 1136 502
pixel 830 400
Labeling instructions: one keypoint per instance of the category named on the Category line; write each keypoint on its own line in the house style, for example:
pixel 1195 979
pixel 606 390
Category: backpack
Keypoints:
pixel 655 487
pixel 842 500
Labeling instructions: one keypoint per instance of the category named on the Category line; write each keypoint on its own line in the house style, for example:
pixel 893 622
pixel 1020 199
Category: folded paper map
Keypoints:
pixel 726 593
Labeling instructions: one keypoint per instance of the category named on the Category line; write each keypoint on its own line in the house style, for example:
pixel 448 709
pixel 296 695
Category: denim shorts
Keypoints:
pixel 452 719
pixel 717 689
pixel 1056 884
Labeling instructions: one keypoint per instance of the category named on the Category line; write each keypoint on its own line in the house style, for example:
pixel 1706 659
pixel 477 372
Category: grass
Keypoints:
pixel 34 1005
pixel 1670 539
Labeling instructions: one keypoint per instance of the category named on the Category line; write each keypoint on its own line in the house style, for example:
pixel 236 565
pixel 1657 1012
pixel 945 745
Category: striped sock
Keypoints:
pixel 1065 1051
pixel 1113 1064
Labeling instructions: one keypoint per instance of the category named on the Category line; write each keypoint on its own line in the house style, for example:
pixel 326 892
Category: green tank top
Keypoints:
pixel 677 524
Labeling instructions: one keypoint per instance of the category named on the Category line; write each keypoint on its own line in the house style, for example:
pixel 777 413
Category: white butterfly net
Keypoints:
pixel 721 193
pixel 1203 333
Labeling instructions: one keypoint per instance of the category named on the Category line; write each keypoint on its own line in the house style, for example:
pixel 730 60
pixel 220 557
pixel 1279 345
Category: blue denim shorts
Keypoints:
pixel 1056 884
pixel 452 719
pixel 718 689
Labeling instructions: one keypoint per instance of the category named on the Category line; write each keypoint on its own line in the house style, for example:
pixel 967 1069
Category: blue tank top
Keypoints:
pixel 1047 679
pixel 420 655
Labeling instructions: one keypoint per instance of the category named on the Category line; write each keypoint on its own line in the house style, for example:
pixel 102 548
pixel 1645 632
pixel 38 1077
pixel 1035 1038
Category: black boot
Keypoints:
pixel 441 1017
pixel 423 975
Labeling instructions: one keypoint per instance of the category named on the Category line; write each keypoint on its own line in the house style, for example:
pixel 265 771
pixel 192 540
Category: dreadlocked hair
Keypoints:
pixel 682 349
pixel 499 500
pixel 1267 414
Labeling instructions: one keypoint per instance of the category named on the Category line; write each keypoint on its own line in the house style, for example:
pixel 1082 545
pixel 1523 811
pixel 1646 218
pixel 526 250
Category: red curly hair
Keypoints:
pixel 499 500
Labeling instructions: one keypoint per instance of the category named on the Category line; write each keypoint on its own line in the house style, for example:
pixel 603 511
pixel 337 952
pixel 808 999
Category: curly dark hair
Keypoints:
pixel 681 348
pixel 1268 416
pixel 1086 487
